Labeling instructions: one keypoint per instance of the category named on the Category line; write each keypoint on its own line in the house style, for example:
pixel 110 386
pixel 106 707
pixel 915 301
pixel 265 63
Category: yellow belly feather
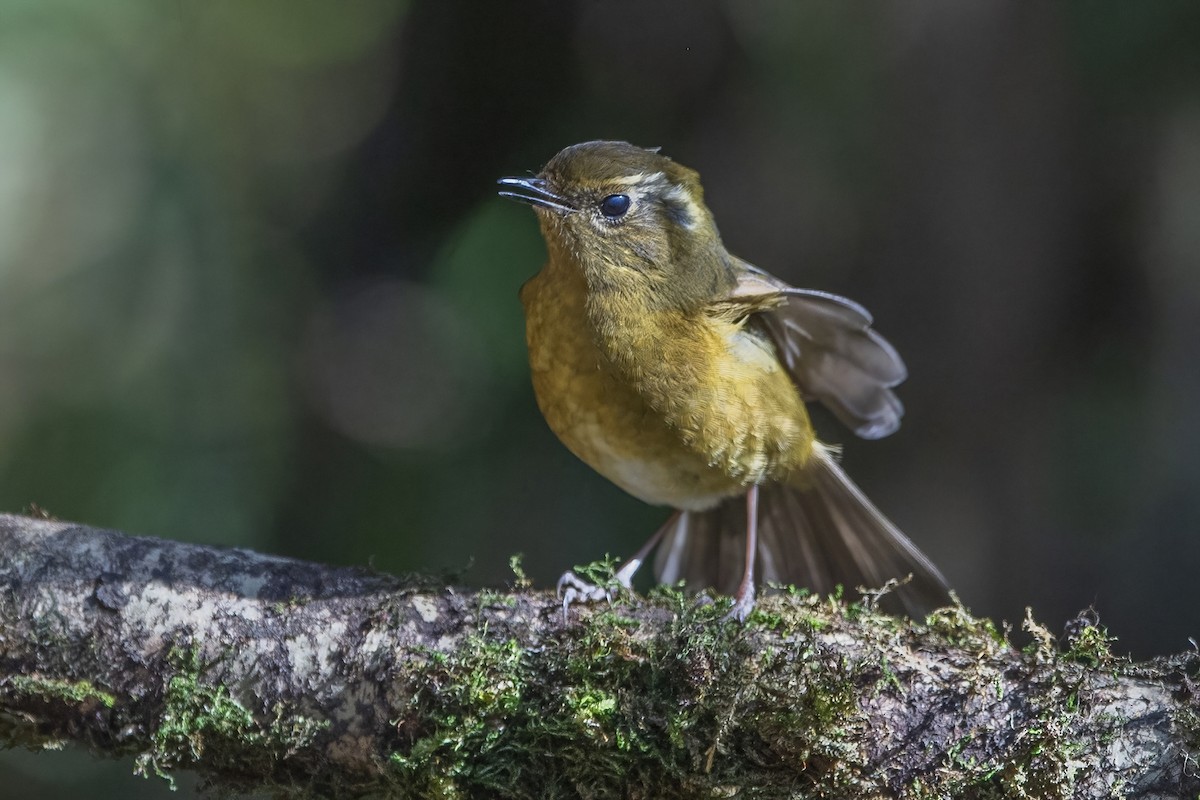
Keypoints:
pixel 737 422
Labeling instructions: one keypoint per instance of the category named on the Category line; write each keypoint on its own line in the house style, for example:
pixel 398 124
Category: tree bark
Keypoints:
pixel 272 674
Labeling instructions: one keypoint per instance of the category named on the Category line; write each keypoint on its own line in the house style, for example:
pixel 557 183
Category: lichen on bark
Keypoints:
pixel 275 675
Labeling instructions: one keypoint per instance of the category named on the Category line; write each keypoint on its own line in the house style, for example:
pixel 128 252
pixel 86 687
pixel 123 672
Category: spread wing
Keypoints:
pixel 829 348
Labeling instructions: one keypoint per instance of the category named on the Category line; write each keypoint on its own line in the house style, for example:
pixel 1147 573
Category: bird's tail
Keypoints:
pixel 816 532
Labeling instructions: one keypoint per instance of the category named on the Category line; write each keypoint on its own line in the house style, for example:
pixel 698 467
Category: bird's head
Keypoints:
pixel 632 219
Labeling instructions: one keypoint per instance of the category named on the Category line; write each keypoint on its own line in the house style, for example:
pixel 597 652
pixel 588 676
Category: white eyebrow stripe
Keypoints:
pixel 640 179
pixel 643 183
pixel 680 195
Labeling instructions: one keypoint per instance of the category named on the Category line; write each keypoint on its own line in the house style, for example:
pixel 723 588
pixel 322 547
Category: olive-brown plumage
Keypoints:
pixel 680 373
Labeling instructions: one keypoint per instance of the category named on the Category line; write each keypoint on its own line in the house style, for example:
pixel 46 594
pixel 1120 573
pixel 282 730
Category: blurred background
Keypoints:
pixel 256 288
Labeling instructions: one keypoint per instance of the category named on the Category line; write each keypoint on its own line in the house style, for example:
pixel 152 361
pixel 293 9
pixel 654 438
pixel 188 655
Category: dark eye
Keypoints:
pixel 614 206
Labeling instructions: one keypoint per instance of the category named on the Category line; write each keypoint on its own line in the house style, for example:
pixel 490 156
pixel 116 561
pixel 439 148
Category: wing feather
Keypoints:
pixel 829 348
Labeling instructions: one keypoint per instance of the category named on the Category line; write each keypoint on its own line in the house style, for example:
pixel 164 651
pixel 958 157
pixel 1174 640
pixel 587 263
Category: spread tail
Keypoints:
pixel 817 532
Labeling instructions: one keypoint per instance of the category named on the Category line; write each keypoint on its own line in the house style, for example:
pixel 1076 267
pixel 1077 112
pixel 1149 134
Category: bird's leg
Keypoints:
pixel 573 589
pixel 743 599
pixel 625 574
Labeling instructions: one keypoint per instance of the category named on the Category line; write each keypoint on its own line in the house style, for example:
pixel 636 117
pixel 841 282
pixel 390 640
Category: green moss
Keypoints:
pixel 889 679
pixel 521 581
pixel 1091 645
pixel 51 689
pixel 959 628
pixel 765 619
pixel 468 696
pixel 204 719
pixel 490 598
pixel 601 573
pixel 1044 761
pixel 607 706
pixel 592 707
pixel 1187 722
pixel 672 598
pixel 609 709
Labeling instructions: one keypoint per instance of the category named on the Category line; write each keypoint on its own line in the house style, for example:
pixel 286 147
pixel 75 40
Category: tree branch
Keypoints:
pixel 270 673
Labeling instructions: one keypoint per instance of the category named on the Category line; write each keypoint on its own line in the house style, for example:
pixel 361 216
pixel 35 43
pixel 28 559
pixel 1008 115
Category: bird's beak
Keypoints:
pixel 534 192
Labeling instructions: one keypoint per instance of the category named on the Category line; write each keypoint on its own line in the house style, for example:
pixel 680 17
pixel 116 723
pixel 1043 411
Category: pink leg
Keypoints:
pixel 625 574
pixel 743 600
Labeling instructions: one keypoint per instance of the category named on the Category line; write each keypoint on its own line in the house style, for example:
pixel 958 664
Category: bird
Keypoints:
pixel 682 373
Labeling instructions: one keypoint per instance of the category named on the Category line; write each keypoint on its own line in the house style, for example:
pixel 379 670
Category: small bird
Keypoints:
pixel 680 373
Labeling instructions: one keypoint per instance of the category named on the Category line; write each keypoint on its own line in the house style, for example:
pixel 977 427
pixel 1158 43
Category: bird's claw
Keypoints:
pixel 740 611
pixel 743 604
pixel 573 589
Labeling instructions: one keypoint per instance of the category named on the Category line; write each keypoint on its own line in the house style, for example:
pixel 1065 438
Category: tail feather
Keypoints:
pixel 817 532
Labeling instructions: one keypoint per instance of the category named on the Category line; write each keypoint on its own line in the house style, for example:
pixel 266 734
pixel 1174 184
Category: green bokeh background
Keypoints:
pixel 256 288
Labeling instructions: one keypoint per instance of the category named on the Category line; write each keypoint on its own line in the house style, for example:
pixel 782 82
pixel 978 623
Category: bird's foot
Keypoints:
pixel 743 604
pixel 574 589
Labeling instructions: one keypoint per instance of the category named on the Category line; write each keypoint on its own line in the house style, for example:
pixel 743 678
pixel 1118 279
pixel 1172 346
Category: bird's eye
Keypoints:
pixel 614 206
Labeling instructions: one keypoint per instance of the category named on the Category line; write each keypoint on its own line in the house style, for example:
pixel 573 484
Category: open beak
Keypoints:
pixel 534 192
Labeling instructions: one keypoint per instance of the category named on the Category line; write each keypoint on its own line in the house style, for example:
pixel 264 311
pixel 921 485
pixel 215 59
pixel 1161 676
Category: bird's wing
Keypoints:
pixel 829 348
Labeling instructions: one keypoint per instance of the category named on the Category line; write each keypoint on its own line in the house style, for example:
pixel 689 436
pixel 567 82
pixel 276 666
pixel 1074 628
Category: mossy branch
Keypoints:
pixel 269 673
